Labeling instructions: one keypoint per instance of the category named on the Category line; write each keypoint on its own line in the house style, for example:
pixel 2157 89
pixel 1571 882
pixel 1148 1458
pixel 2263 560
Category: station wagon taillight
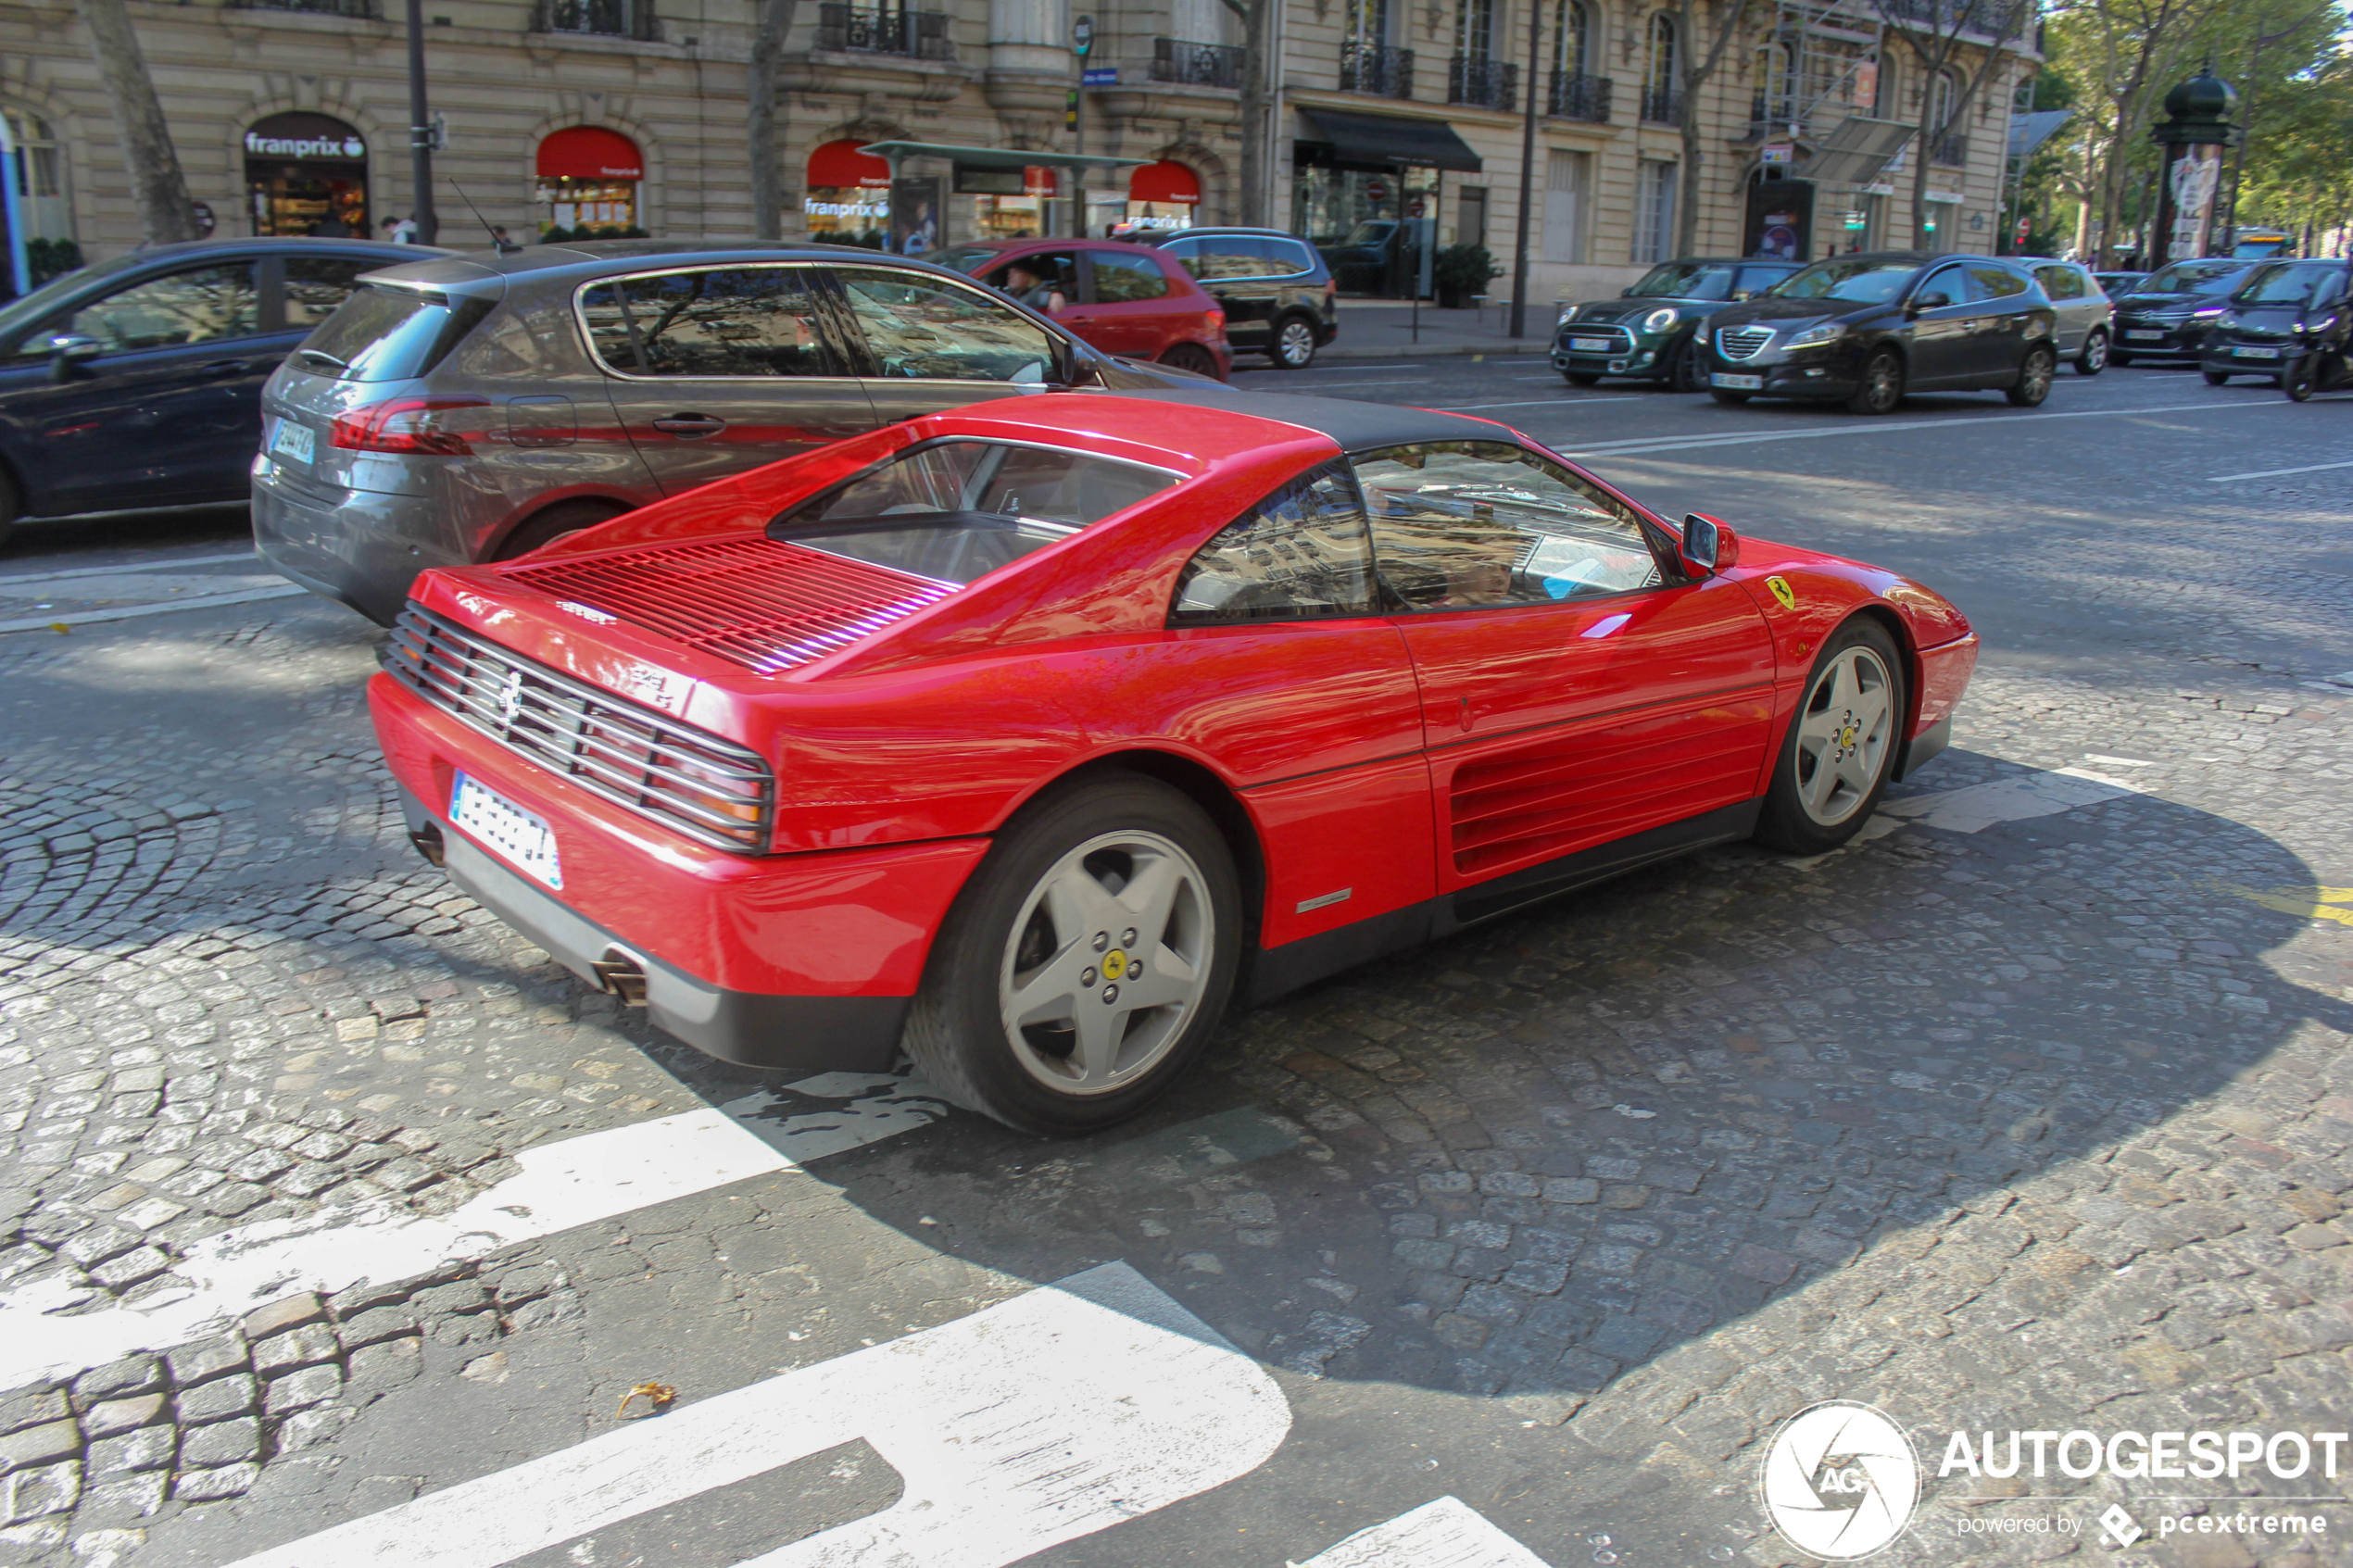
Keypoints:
pixel 409 426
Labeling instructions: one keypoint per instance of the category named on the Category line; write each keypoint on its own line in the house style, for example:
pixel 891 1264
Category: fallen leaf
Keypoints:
pixel 658 1395
pixel 60 628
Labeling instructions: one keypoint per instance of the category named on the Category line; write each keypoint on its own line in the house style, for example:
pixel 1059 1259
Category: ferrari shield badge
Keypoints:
pixel 1782 592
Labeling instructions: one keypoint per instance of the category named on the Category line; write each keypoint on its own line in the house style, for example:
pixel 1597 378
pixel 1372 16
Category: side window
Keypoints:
pixel 918 329
pixel 1036 278
pixel 716 322
pixel 1950 281
pixel 316 284
pixel 1124 278
pixel 1288 256
pixel 1996 282
pixel 1300 554
pixel 201 304
pixel 1187 253
pixel 1470 524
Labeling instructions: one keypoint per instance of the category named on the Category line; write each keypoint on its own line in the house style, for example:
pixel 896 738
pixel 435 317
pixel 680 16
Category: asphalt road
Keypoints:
pixel 2028 1111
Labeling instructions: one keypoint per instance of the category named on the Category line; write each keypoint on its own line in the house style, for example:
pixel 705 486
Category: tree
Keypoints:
pixel 2126 54
pixel 1256 47
pixel 1691 72
pixel 774 19
pixel 157 187
pixel 1959 42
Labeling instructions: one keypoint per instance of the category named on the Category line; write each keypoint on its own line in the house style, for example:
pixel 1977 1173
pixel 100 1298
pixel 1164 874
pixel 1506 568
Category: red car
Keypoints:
pixel 1026 737
pixel 1130 300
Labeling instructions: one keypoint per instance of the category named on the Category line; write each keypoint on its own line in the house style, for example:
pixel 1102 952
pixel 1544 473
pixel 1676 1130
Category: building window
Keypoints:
pixel 1655 213
pixel 845 198
pixel 1662 103
pixel 590 179
pixel 1565 178
pixel 1569 49
pixel 40 176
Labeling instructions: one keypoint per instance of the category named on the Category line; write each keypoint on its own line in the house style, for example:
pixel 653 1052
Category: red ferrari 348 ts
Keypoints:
pixel 1025 738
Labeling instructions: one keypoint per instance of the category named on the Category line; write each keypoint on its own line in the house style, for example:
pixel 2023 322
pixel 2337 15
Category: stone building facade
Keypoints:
pixel 612 114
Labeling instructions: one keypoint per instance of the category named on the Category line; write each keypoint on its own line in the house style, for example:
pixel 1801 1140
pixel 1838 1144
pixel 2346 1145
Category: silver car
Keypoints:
pixel 2086 318
pixel 471 408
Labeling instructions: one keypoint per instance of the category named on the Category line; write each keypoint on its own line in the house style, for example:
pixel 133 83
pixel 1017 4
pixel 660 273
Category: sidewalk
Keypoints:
pixel 1382 329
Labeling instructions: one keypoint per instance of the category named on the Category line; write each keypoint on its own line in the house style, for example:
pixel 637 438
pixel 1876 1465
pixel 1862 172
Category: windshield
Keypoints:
pixel 1857 278
pixel 956 510
pixel 2296 283
pixel 1685 280
pixel 2210 276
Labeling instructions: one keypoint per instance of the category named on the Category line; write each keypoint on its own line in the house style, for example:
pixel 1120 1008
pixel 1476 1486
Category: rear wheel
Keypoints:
pixel 2298 379
pixel 1841 744
pixel 1088 961
pixel 1191 357
pixel 2218 378
pixel 1294 343
pixel 1580 378
pixel 2034 378
pixel 564 517
pixel 1883 385
pixel 2092 358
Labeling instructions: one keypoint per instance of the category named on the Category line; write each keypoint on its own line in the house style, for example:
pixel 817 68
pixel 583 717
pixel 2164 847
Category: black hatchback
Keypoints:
pixel 138 382
pixel 1279 296
pixel 2269 316
pixel 1865 329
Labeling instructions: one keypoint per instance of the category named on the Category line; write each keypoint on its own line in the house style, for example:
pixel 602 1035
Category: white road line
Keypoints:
pixel 1977 807
pixel 132 613
pixel 2274 473
pixel 1060 1412
pixel 172 565
pixel 1530 403
pixel 1448 1533
pixel 572 1182
pixel 1325 385
pixel 1633 448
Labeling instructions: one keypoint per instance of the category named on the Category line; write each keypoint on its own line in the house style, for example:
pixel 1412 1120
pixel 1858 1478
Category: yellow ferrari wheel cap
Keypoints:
pixel 1115 964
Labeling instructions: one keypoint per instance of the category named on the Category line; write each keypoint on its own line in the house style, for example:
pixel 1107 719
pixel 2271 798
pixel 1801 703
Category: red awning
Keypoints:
pixel 1164 182
pixel 590 151
pixel 840 166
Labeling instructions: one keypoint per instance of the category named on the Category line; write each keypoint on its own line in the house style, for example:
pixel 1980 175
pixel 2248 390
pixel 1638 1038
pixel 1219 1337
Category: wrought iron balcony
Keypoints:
pixel 359 10
pixel 1491 84
pixel 1949 148
pixel 1574 95
pixel 603 18
pixel 1661 105
pixel 917 35
pixel 1376 69
pixel 1196 65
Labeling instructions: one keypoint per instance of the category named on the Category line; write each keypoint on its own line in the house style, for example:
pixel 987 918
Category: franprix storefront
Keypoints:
pixel 588 180
pixel 307 174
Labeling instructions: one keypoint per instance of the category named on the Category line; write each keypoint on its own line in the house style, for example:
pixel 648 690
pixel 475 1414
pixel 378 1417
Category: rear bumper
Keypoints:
pixel 364 551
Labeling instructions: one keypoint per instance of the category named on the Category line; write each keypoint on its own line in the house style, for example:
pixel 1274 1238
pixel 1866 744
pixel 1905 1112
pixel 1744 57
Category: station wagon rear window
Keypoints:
pixel 387 334
pixel 955 510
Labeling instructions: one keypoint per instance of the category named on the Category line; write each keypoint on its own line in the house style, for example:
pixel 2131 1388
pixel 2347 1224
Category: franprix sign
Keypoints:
pixel 305 136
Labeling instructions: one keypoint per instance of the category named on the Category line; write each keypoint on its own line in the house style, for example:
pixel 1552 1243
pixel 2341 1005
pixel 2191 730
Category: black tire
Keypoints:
pixel 12 507
pixel 2299 379
pixel 1291 345
pixel 1580 378
pixel 1683 372
pixel 544 527
pixel 1787 822
pixel 957 1033
pixel 2217 378
pixel 1191 357
pixel 1881 388
pixel 2035 373
pixel 1733 399
pixel 2117 357
pixel 2092 358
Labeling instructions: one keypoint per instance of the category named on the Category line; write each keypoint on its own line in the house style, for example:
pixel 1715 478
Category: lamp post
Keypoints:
pixel 1527 176
pixel 421 128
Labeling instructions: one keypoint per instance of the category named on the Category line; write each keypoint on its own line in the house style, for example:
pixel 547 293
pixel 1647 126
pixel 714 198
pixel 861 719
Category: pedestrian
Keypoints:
pixel 401 231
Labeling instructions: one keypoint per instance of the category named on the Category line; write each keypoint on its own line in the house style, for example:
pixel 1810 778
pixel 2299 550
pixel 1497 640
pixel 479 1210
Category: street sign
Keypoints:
pixel 1082 35
pixel 1777 153
pixel 1101 76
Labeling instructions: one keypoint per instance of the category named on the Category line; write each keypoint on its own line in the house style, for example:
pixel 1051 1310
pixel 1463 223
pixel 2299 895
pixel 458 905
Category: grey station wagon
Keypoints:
pixel 475 408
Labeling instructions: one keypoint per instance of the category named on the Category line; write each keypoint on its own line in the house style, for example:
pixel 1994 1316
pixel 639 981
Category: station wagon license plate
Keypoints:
pixel 1731 383
pixel 523 837
pixel 296 441
pixel 2245 351
pixel 2143 335
pixel 1592 345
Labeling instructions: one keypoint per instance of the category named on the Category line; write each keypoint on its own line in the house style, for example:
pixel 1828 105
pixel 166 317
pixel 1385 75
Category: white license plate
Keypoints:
pixel 518 836
pixel 295 441
pixel 1731 383
pixel 1592 345
pixel 2140 337
pixel 2244 352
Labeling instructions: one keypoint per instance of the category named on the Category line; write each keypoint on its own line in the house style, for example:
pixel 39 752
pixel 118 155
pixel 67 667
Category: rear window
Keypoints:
pixel 956 510
pixel 387 334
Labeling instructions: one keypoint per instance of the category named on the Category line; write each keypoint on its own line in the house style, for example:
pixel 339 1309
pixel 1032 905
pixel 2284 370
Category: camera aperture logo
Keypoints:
pixel 1841 1480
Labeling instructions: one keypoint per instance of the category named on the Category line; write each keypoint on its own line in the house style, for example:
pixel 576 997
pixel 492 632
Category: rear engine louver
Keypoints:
pixel 758 602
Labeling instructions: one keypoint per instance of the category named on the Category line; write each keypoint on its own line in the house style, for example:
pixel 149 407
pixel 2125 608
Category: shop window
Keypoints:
pixel 307 174
pixel 845 196
pixel 589 181
pixel 1160 196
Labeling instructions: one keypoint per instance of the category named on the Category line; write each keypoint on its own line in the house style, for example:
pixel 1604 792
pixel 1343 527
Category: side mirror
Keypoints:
pixel 69 349
pixel 1710 546
pixel 1625 292
pixel 1935 299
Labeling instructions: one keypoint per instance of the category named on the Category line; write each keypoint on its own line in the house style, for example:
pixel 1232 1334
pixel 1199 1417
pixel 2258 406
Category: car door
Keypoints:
pixel 713 370
pixel 1137 309
pixel 928 343
pixel 2006 307
pixel 1576 688
pixel 1941 351
pixel 1240 270
pixel 166 410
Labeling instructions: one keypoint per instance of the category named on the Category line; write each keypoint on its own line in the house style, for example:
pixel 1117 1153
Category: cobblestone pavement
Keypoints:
pixel 1995 1120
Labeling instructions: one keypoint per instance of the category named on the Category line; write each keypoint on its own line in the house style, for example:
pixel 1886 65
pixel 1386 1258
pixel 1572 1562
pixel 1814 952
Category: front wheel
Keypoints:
pixel 2218 378
pixel 1683 372
pixel 2298 380
pixel 1840 746
pixel 1294 346
pixel 2034 378
pixel 1087 962
pixel 1883 385
pixel 2092 357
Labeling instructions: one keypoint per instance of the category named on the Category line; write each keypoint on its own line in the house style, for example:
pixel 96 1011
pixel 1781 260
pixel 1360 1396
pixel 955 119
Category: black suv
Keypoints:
pixel 1277 294
pixel 1865 329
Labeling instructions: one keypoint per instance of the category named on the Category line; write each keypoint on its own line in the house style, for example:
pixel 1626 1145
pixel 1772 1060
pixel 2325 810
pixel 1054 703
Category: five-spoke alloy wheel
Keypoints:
pixel 1294 346
pixel 1842 743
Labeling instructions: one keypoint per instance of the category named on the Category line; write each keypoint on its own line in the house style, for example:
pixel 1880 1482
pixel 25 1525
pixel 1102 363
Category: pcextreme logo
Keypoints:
pixel 1840 1480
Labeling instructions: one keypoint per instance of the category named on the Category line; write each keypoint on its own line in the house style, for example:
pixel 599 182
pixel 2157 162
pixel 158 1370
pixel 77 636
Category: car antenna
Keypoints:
pixel 478 217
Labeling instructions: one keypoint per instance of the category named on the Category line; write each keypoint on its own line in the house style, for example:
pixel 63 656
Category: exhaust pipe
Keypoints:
pixel 428 841
pixel 623 975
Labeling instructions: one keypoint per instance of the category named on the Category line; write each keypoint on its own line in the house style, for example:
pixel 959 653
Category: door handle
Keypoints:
pixel 226 367
pixel 690 425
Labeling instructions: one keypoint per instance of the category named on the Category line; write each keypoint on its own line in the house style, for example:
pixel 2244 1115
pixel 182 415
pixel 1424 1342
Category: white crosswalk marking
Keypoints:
pixel 1977 807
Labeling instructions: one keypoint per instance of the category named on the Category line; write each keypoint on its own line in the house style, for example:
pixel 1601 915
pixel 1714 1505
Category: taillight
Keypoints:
pixel 405 425
pixel 1217 320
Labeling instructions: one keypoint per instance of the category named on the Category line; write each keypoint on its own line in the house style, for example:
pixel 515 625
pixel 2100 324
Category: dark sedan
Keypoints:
pixel 2269 317
pixel 2165 319
pixel 138 382
pixel 1865 329
pixel 1654 329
